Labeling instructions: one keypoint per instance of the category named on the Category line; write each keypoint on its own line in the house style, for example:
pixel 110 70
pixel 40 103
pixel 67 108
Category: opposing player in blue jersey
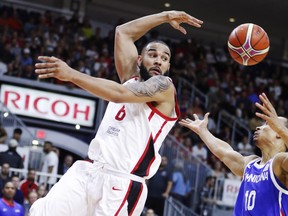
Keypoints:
pixel 264 187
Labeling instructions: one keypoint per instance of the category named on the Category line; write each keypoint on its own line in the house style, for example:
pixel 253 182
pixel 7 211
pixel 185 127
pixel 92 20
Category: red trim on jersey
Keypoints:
pixel 161 114
pixel 136 201
pixel 148 167
pixel 125 198
pixel 159 132
pixel 155 139
pixel 282 213
pixel 143 155
pixel 151 115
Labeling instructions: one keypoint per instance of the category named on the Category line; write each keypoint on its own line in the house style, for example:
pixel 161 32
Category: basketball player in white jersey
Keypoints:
pixel 264 188
pixel 139 115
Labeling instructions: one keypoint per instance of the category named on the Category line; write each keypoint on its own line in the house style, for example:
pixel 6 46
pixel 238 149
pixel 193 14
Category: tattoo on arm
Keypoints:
pixel 150 87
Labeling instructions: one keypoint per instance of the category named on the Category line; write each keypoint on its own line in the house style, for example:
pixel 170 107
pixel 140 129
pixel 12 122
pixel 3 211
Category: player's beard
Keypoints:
pixel 145 74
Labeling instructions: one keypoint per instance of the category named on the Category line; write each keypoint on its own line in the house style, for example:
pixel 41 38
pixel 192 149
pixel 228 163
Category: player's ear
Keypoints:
pixel 139 60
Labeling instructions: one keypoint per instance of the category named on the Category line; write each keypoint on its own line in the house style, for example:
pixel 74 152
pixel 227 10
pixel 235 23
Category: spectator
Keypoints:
pixel 199 151
pixel 244 147
pixel 29 184
pixel 180 187
pixel 188 144
pixel 18 197
pixel 159 187
pixel 32 197
pixel 3 134
pixel 150 212
pixel 67 163
pixel 41 191
pixel 206 197
pixel 218 170
pixel 4 175
pixel 8 207
pixel 17 133
pixel 49 165
pixel 26 59
pixel 11 156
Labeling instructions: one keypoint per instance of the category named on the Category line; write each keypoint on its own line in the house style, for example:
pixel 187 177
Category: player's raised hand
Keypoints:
pixel 269 113
pixel 53 67
pixel 176 18
pixel 195 125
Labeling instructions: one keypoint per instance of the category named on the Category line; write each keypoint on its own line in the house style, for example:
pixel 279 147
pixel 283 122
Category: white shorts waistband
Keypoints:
pixel 106 169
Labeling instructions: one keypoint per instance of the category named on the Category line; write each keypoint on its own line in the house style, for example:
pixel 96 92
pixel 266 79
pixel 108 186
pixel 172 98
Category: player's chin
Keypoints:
pixel 255 140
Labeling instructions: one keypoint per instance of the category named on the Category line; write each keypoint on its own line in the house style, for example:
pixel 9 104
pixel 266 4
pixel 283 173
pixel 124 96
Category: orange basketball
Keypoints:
pixel 248 44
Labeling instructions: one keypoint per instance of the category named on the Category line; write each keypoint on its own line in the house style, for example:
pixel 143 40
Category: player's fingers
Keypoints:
pixel 262 108
pixel 181 29
pixel 45 71
pixel 195 116
pixel 47 75
pixel 262 116
pixel 45 65
pixel 47 58
pixel 188 120
pixel 269 105
pixel 194 21
pixel 206 115
pixel 183 122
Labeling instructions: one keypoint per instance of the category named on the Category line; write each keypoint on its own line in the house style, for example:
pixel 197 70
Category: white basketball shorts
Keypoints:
pixel 90 189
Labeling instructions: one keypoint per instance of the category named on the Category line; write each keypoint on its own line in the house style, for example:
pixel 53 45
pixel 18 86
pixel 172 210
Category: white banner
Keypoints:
pixel 48 105
pixel 230 191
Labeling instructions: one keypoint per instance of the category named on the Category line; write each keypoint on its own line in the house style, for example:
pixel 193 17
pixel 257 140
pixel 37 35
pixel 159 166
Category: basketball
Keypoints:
pixel 248 44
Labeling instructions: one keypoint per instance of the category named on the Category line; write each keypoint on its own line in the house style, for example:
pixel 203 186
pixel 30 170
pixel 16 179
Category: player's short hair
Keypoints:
pixel 154 41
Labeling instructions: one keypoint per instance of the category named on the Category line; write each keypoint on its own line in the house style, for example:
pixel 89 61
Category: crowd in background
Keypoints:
pixel 26 187
pixel 26 35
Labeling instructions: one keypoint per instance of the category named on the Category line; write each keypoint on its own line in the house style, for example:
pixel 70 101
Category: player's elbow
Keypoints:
pixel 123 33
pixel 117 97
pixel 119 32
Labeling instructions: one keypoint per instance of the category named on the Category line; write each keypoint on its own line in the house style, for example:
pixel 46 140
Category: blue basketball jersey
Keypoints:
pixel 260 192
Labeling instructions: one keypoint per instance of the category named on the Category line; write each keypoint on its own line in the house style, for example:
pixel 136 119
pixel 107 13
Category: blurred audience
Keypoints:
pixel 4 175
pixel 29 184
pixel 67 163
pixel 3 134
pixel 244 146
pixel 206 197
pixel 41 191
pixel 180 188
pixel 32 197
pixel 159 187
pixel 200 151
pixel 18 197
pixel 11 156
pixel 49 165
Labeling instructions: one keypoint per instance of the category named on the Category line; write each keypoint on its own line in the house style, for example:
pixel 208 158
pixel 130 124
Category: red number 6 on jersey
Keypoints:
pixel 121 114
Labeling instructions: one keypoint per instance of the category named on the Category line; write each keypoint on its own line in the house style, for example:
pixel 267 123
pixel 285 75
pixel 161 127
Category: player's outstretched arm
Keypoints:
pixel 270 116
pixel 222 150
pixel 157 88
pixel 125 51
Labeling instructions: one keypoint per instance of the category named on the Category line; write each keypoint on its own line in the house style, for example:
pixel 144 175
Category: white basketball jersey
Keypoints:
pixel 130 136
